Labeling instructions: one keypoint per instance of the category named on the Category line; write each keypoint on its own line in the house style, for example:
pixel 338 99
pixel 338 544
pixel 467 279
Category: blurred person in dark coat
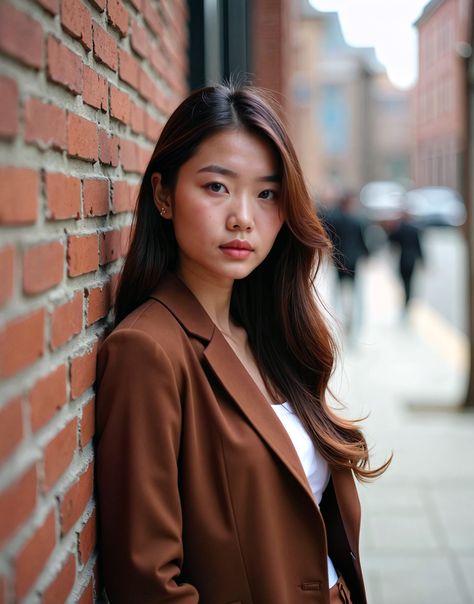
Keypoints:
pixel 406 237
pixel 346 230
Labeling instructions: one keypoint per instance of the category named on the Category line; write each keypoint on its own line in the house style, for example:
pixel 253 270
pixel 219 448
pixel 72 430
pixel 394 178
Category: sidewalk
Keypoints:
pixel 417 542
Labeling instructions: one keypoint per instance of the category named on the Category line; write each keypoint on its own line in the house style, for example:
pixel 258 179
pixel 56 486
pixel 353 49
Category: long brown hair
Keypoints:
pixel 276 303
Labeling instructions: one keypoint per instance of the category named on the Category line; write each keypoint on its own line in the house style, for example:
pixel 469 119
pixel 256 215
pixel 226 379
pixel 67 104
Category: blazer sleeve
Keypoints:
pixel 138 432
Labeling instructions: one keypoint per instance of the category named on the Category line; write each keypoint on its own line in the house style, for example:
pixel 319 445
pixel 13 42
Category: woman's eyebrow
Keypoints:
pixel 216 169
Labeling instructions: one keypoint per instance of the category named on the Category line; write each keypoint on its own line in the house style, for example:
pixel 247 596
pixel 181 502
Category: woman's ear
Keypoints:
pixel 161 196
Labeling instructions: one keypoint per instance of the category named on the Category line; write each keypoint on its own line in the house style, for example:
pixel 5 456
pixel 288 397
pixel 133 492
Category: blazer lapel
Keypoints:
pixel 245 392
pixel 181 302
pixel 349 506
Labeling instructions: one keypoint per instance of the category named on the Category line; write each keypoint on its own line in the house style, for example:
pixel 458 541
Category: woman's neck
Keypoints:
pixel 213 296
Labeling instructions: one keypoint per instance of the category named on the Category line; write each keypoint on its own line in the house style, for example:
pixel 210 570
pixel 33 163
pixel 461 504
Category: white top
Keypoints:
pixel 314 465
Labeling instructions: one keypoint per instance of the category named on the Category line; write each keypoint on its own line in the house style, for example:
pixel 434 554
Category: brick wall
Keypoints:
pixel 85 87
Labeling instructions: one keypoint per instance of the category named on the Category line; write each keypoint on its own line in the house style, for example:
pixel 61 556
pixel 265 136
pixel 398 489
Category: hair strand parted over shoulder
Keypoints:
pixel 276 304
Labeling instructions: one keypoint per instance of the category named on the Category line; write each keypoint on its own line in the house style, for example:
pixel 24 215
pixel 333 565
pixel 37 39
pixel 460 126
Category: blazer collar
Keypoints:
pixel 182 303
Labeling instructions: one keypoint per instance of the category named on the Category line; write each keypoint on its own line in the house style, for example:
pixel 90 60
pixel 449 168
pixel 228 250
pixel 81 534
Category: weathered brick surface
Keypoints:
pixel 21 36
pixel 33 556
pixel 63 195
pixel 64 66
pixel 47 396
pixel 21 342
pixel 82 138
pixel 18 195
pixel 82 254
pixel 11 427
pixel 43 267
pixel 66 321
pixel 7 273
pixel 45 124
pixel 9 113
pixel 86 88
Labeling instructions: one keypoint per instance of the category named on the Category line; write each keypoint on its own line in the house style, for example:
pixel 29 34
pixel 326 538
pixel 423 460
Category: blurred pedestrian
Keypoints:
pixel 406 237
pixel 223 474
pixel 346 230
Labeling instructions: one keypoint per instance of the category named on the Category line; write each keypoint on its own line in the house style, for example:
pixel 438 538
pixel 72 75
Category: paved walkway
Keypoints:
pixel 418 519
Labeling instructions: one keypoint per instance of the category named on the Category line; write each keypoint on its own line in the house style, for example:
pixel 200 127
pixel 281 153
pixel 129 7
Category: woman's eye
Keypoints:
pixel 268 194
pixel 216 187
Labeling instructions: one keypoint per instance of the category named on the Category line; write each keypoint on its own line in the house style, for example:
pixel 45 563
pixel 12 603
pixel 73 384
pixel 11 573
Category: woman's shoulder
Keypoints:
pixel 150 324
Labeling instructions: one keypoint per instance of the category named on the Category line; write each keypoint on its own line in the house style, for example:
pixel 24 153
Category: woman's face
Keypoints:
pixel 225 207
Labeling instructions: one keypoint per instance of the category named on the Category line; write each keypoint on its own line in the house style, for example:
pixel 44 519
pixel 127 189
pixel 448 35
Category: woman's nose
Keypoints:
pixel 240 215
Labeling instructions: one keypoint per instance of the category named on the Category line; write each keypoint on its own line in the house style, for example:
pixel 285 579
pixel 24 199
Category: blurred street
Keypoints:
pixel 410 372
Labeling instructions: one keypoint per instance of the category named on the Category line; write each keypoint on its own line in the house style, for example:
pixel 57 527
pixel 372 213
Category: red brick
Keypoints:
pixel 18 195
pixel 75 500
pixel 47 396
pixel 129 156
pixel 64 66
pixel 83 372
pixel 99 304
pixel 95 91
pixel 139 40
pixel 63 196
pixel 145 85
pixel 87 539
pixel 7 273
pixel 96 196
pixel 105 47
pixel 87 596
pixel 43 267
pixel 108 148
pixel 33 556
pixel 11 427
pixel 60 588
pixel 52 6
pixel 66 321
pixel 82 138
pixel 110 246
pixel 58 454
pixel 17 502
pixel 119 105
pixel 128 68
pixel 121 199
pixel 87 423
pixel 152 17
pixel 45 124
pixel 21 37
pixel 76 20
pixel 153 128
pixel 9 112
pixel 137 119
pixel 82 254
pixel 137 4
pixel 21 343
pixel 118 16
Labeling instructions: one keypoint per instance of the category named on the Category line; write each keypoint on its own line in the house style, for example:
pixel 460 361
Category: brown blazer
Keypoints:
pixel 202 497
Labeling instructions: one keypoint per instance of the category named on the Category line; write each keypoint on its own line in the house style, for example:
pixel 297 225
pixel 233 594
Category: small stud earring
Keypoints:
pixel 162 211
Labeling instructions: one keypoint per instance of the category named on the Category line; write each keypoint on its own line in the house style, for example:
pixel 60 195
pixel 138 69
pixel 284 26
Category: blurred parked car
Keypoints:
pixel 435 206
pixel 382 200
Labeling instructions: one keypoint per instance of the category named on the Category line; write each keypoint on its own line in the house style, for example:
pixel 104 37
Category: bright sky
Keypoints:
pixel 387 26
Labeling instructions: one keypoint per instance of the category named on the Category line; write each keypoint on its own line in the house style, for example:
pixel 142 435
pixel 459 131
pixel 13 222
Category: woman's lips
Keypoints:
pixel 237 248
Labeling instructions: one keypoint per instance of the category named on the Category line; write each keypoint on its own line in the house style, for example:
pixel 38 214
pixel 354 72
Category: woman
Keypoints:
pixel 223 475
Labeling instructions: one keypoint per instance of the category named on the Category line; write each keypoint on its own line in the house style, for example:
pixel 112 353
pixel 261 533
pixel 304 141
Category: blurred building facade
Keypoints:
pixel 440 100
pixel 351 124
